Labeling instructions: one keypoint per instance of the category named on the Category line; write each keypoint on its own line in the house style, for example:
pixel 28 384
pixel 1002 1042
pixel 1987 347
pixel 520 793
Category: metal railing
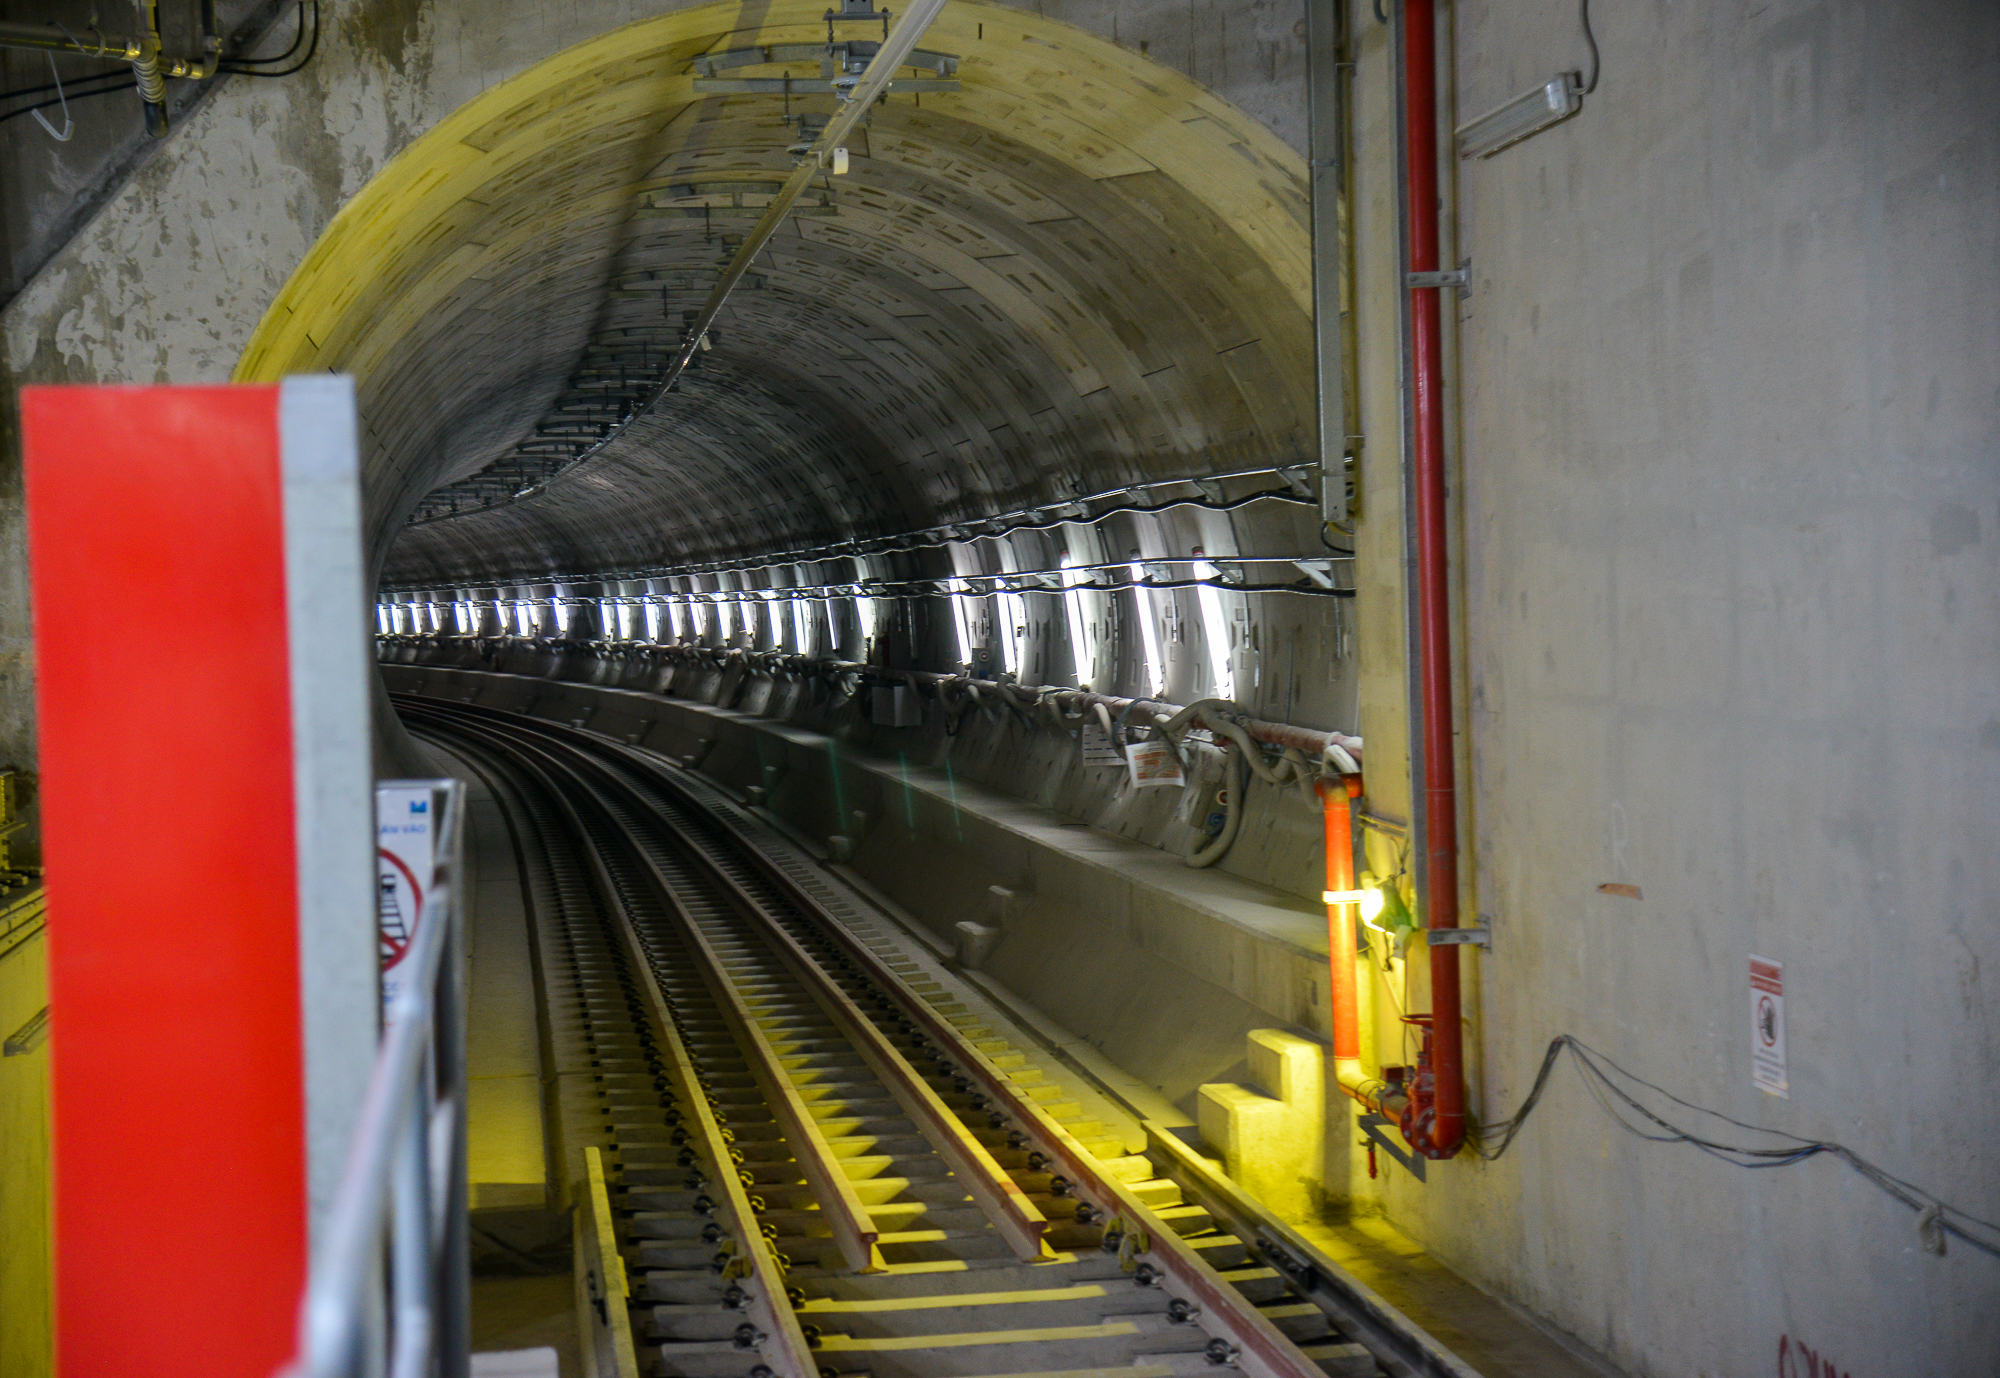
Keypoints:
pixel 389 1291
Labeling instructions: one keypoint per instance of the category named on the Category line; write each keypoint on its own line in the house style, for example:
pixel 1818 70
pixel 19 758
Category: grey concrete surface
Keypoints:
pixel 169 279
pixel 1109 933
pixel 1729 484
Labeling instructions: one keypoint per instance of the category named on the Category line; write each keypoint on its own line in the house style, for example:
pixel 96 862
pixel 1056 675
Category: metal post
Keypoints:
pixel 454 1263
pixel 1325 110
pixel 1412 645
pixel 410 1247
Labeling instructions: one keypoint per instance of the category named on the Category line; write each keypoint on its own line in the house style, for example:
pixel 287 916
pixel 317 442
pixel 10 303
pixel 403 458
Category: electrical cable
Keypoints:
pixel 1935 1219
pixel 119 79
pixel 69 126
pixel 60 85
pixel 239 67
pixel 286 56
pixel 1583 15
pixel 73 94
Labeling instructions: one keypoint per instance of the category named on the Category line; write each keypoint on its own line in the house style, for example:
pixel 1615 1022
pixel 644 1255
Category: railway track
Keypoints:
pixel 808 1163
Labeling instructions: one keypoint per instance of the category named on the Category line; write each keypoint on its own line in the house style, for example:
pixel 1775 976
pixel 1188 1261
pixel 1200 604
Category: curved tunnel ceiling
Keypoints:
pixel 1079 271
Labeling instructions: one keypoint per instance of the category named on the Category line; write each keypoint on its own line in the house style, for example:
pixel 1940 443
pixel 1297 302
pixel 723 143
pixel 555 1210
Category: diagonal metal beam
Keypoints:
pixel 869 87
pixel 873 83
pixel 897 49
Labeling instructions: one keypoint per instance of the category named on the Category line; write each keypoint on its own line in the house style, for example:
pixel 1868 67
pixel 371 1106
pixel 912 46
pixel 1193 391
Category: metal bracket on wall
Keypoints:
pixel 1481 936
pixel 1459 277
pixel 1371 1125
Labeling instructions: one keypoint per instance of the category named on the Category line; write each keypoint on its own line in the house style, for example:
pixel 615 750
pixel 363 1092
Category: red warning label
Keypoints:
pixel 1767 1027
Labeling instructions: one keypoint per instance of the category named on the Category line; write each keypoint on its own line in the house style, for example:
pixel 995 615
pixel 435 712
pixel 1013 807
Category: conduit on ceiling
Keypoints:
pixel 1080 270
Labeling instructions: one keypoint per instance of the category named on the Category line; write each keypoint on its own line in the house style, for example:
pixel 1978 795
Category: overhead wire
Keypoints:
pixel 933 538
pixel 1607 1082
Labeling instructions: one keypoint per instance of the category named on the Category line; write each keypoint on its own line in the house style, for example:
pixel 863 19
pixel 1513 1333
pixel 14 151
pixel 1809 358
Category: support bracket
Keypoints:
pixel 1482 936
pixel 1371 1125
pixel 1459 277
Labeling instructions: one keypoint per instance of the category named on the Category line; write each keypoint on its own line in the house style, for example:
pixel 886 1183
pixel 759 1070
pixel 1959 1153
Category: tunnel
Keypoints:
pixel 1057 688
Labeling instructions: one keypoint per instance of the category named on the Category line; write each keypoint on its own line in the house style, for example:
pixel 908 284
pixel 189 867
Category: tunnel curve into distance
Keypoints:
pixel 1079 270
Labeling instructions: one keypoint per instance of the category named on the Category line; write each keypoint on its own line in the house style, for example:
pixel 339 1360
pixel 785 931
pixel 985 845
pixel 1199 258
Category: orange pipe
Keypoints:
pixel 1340 917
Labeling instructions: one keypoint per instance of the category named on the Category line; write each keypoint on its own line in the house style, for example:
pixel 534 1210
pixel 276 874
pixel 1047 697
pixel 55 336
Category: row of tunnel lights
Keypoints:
pixel 678 615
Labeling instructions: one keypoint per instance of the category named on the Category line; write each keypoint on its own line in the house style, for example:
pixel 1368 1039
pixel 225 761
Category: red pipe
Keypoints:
pixel 1345 1002
pixel 1446 1129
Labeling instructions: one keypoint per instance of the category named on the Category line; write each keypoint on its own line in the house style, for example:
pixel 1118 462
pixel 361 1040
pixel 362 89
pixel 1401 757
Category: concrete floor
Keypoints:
pixel 1497 1339
pixel 524 1313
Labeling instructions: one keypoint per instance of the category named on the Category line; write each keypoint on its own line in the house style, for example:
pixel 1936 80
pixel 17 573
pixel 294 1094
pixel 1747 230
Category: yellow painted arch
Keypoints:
pixel 423 226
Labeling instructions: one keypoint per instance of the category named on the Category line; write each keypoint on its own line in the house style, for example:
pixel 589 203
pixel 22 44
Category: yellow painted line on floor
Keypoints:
pixel 1081 1292
pixel 848 1344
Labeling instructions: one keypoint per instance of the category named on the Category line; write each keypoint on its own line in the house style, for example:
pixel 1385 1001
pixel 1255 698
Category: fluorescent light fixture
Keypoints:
pixel 1014 634
pixel 961 618
pixel 801 642
pixel 1529 113
pixel 1215 631
pixel 1073 605
pixel 1150 673
pixel 864 623
pixel 652 621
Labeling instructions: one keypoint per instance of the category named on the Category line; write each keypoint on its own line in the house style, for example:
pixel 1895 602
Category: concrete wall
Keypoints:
pixel 169 279
pixel 26 1333
pixel 1731 502
pixel 1163 968
pixel 1730 586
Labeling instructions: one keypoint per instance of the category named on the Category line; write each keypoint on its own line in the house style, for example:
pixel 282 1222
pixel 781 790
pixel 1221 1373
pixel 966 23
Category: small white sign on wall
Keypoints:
pixel 1767 1027
pixel 406 861
pixel 1098 748
pixel 1153 763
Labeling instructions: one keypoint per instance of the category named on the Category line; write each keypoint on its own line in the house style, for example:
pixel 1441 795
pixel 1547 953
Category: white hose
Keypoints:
pixel 1233 783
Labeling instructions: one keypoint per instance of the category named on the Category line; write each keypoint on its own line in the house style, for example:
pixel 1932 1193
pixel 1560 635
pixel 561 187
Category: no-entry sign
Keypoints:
pixel 1767 1027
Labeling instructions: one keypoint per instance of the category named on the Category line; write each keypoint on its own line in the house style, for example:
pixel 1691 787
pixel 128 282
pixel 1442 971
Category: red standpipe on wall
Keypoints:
pixel 1343 999
pixel 1439 1133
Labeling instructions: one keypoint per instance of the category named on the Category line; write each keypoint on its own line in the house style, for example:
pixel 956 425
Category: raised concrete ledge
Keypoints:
pixel 1166 968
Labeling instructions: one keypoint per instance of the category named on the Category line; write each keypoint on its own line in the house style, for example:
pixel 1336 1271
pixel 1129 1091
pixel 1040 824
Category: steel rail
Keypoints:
pixel 1257 1347
pixel 766 1301
pixel 1398 1343
pixel 1014 1216
pixel 1017 1218
pixel 841 1206
pixel 1261 1349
